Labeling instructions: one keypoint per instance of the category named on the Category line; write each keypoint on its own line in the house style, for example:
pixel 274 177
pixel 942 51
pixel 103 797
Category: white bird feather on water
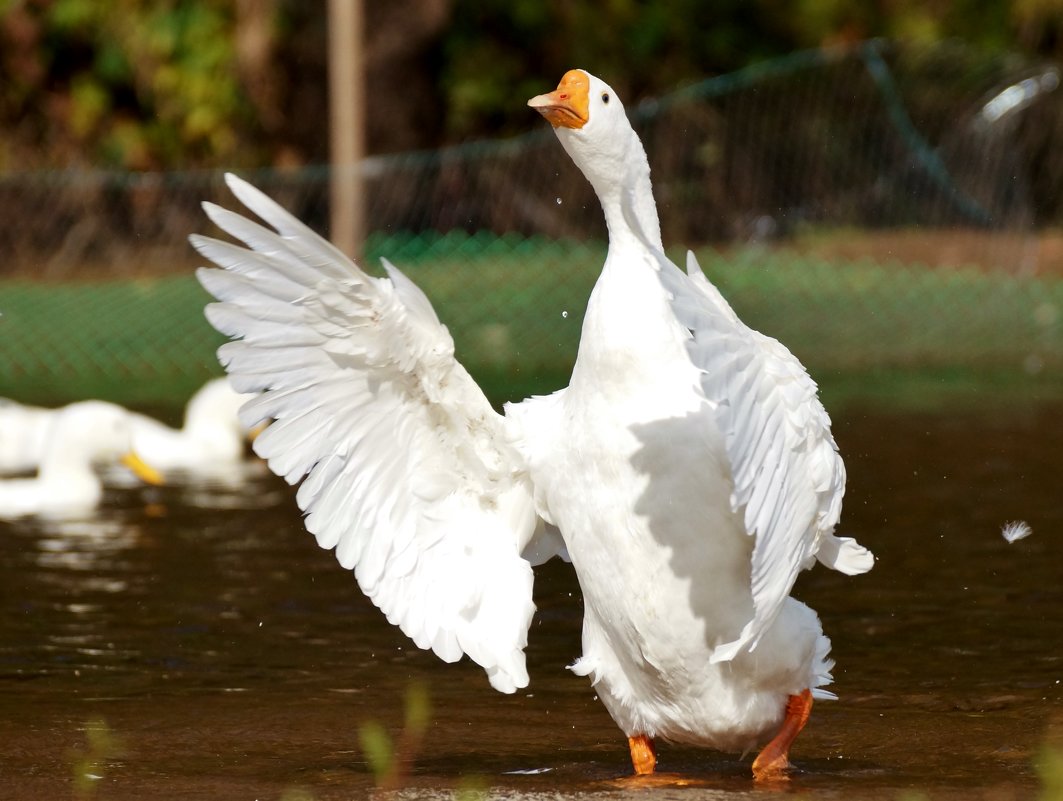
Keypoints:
pixel 1016 530
pixel 688 469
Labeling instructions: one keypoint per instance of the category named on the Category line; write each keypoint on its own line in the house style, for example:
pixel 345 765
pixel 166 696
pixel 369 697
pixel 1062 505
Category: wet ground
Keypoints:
pixel 194 643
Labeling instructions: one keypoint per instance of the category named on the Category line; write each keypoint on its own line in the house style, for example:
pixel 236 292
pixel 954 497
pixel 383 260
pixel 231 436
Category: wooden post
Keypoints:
pixel 346 124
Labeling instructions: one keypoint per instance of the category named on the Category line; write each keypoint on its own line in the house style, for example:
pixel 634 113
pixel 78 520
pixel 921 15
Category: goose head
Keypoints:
pixel 213 412
pixel 590 122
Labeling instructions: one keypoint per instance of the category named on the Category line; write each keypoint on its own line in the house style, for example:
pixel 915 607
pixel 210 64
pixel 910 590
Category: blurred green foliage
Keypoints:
pixel 164 84
pixel 89 765
pixel 136 84
pixel 391 760
pixel 647 48
pixel 1049 765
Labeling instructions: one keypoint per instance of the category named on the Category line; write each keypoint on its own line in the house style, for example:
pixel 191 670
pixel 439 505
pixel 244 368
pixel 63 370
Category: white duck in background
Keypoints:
pixel 211 438
pixel 79 436
pixel 688 468
pixel 23 434
pixel 210 442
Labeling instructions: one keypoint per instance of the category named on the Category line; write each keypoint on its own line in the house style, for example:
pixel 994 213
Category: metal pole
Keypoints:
pixel 346 124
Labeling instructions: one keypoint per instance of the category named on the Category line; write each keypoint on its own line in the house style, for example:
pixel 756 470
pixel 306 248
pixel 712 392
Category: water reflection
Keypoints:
pixel 230 485
pixel 82 545
pixel 235 658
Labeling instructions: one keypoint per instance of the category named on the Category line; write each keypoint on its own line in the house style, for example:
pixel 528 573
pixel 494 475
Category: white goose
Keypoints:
pixel 78 436
pixel 23 434
pixel 688 467
pixel 210 441
pixel 211 438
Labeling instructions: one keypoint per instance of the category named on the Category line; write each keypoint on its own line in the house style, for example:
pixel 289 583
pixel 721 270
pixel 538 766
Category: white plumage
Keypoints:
pixel 1015 530
pixel 211 439
pixel 77 437
pixel 23 435
pixel 409 473
pixel 687 470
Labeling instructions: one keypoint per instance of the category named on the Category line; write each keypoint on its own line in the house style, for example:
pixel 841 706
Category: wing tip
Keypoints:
pixel 693 267
pixel 507 681
pixel 234 181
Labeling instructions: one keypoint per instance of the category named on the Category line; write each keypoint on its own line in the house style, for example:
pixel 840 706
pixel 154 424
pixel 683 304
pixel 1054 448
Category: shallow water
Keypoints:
pixel 194 642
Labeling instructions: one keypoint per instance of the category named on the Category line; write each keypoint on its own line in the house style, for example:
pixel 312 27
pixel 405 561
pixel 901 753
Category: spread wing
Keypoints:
pixel 409 473
pixel 787 474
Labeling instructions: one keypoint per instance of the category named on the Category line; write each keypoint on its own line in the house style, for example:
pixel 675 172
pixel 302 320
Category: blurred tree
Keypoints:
pixel 498 49
pixel 133 83
pixel 152 84
pixel 1038 26
pixel 283 67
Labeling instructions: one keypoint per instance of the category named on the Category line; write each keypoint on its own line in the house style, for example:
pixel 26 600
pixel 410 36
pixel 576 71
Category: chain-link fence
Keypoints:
pixel 872 207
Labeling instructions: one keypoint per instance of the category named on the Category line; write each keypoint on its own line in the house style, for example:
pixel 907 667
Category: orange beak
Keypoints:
pixel 567 106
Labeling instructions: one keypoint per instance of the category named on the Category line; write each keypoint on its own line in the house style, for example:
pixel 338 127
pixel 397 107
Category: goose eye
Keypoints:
pixel 605 97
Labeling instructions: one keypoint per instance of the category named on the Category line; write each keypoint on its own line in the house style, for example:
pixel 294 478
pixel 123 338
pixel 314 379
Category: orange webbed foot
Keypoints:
pixel 643 754
pixel 771 764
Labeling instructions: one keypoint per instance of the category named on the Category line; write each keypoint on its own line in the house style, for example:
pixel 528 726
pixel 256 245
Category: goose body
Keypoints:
pixel 79 436
pixel 637 478
pixel 687 471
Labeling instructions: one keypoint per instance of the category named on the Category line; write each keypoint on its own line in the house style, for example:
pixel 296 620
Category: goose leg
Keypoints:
pixel 774 759
pixel 643 754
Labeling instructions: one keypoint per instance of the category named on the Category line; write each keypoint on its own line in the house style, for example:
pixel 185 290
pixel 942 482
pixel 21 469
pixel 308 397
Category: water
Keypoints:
pixel 195 643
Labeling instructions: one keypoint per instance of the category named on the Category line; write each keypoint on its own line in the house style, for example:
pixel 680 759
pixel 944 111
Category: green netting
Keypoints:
pixel 144 341
pixel 769 174
pixel 516 323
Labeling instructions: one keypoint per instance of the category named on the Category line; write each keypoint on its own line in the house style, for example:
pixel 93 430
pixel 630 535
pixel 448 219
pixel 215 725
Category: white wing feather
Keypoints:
pixel 788 478
pixel 410 474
